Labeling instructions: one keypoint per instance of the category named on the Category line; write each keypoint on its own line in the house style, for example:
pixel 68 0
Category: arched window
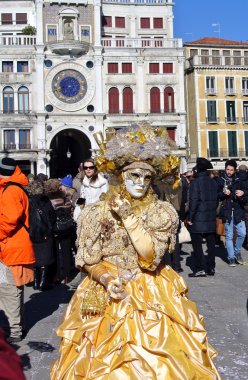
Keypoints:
pixel 8 100
pixel 113 100
pixel 155 100
pixel 23 103
pixel 169 99
pixel 127 100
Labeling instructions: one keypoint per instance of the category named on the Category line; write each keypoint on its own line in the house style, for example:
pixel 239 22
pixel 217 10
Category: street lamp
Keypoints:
pixel 68 154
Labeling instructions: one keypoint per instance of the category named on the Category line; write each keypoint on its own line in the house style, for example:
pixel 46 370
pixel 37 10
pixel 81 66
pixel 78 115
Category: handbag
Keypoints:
pixel 220 228
pixel 94 299
pixel 64 222
pixel 184 235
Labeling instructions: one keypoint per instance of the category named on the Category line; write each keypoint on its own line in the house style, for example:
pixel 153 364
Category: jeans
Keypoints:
pixel 241 233
pixel 200 262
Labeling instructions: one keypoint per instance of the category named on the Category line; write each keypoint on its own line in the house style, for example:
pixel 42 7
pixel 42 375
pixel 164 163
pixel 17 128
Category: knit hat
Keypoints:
pixel 30 175
pixel 7 166
pixel 202 164
pixel 243 168
pixel 67 181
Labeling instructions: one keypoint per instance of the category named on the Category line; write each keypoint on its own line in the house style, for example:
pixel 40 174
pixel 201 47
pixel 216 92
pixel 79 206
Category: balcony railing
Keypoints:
pixel 141 42
pixel 227 153
pixel 230 91
pixel 212 120
pixel 212 60
pixel 16 146
pixel 232 120
pixel 245 120
pixel 17 40
pixel 147 2
pixel 245 91
pixel 211 91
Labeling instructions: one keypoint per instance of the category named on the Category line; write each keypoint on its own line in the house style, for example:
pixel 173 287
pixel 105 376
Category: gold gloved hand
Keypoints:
pixel 115 289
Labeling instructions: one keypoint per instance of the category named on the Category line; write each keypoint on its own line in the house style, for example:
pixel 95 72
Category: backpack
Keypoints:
pixel 40 226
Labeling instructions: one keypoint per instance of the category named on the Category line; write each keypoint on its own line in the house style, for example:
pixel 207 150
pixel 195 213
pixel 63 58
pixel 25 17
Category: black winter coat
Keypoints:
pixel 202 204
pixel 231 205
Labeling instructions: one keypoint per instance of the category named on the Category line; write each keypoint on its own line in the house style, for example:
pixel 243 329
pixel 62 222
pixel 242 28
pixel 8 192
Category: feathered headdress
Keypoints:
pixel 139 143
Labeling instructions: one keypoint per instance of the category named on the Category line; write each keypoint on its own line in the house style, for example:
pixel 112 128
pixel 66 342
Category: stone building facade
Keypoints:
pixel 92 65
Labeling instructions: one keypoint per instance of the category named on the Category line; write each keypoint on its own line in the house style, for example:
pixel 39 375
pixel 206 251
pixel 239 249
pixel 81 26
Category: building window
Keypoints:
pixel 193 52
pixel 229 85
pixel 169 99
pixel 119 40
pixel 205 57
pixel 155 100
pixel 215 57
pixel 22 66
pixel 85 33
pixel 211 111
pixel 120 22
pixel 8 100
pixel 7 66
pixel 145 23
pixel 237 57
pixel 9 139
pixel 232 144
pixel 23 101
pixel 145 41
pixel 246 143
pixel 158 23
pixel 246 58
pixel 154 68
pixel 6 18
pixel 127 100
pixel 51 33
pixel 21 18
pixel 245 86
pixel 24 139
pixel 245 112
pixel 213 147
pixel 168 68
pixel 230 112
pixel 126 68
pixel 171 133
pixel 227 57
pixel 113 100
pixel 210 85
pixel 107 21
pixel 113 68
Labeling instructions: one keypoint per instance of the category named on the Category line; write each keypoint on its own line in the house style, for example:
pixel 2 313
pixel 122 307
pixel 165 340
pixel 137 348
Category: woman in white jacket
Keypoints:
pixel 94 184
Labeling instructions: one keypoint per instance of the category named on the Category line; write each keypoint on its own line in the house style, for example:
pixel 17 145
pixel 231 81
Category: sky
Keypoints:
pixel 193 19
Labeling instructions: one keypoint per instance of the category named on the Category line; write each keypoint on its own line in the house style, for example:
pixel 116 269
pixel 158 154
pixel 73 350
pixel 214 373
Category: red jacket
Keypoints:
pixel 15 245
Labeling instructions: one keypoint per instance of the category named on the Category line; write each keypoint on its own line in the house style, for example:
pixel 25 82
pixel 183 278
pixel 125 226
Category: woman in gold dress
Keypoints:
pixel 131 318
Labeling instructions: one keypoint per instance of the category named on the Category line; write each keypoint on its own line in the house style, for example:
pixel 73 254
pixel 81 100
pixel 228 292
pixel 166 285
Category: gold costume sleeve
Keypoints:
pixel 140 238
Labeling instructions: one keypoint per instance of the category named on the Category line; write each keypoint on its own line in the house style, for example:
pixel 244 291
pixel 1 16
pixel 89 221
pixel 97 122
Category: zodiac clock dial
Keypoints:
pixel 69 86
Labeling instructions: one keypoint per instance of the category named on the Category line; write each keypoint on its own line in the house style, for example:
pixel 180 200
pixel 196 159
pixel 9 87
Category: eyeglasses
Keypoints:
pixel 89 167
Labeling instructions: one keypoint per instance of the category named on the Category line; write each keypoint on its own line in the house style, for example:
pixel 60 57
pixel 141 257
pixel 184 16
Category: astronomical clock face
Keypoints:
pixel 69 86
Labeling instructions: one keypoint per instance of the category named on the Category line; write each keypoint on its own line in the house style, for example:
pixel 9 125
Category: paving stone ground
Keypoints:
pixel 222 300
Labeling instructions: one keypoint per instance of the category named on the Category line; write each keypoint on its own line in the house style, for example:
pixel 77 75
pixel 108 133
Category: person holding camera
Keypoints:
pixel 231 193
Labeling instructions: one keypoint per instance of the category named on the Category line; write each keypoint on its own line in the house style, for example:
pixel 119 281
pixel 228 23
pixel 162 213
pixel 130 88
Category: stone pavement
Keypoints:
pixel 221 299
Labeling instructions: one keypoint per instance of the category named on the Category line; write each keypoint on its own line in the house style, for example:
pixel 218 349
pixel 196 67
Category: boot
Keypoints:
pixel 43 280
pixel 36 285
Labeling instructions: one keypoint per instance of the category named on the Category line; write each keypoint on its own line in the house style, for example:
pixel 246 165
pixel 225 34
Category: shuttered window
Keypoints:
pixel 158 23
pixel 167 68
pixel 155 100
pixel 113 100
pixel 213 144
pixel 120 22
pixel 127 100
pixel 154 68
pixel 145 23
pixel 113 68
pixel 107 21
pixel 126 68
pixel 21 18
pixel 6 18
pixel 232 144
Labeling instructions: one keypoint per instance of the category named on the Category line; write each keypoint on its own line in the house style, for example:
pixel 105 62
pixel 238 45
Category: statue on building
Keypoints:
pixel 68 30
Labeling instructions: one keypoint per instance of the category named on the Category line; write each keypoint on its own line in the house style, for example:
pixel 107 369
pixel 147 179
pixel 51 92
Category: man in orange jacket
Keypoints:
pixel 16 250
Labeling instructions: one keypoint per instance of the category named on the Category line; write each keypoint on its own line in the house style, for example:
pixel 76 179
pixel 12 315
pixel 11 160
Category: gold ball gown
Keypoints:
pixel 155 332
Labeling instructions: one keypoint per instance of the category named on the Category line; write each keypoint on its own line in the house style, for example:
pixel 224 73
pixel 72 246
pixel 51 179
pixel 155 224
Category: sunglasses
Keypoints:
pixel 89 167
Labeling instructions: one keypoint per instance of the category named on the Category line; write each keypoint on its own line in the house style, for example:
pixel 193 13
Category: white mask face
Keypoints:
pixel 137 182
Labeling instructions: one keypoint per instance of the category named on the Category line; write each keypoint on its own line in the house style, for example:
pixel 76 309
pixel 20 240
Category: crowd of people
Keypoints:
pixel 201 197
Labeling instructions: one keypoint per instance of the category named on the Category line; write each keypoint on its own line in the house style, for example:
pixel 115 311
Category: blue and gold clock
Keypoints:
pixel 69 86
